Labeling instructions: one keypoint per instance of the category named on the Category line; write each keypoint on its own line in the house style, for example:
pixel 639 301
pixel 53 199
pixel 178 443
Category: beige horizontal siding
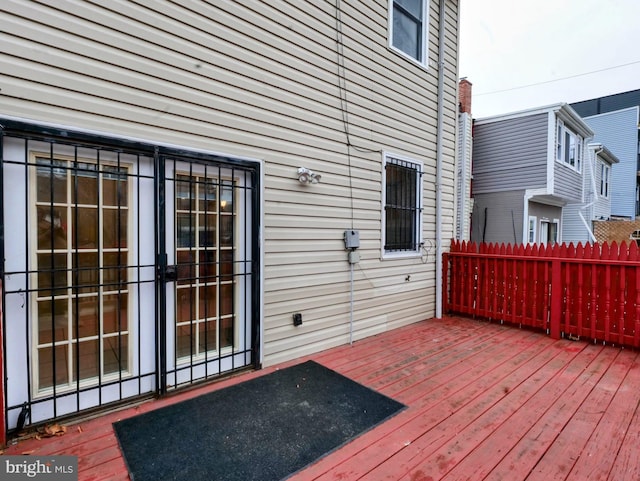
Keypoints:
pixel 261 80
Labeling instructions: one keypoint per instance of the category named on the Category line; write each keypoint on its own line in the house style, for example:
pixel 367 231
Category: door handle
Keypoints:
pixel 171 274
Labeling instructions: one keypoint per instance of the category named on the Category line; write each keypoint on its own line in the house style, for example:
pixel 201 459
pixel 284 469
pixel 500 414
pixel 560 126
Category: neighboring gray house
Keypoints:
pixel 577 218
pixel 614 118
pixel 527 166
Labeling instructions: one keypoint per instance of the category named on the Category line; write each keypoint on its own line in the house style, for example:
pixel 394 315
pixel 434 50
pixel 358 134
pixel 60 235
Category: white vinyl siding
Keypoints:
pixel 261 80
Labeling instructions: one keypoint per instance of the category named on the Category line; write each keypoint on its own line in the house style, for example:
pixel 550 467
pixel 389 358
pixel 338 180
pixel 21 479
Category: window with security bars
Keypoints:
pixel 81 219
pixel 402 206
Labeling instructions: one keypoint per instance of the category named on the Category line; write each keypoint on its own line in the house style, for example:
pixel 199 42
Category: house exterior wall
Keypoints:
pixel 594 205
pixel 260 80
pixel 573 229
pixel 498 217
pixel 618 131
pixel 567 183
pixel 510 154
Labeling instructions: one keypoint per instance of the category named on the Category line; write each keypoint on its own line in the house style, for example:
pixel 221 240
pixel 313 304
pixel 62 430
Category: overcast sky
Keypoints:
pixel 506 44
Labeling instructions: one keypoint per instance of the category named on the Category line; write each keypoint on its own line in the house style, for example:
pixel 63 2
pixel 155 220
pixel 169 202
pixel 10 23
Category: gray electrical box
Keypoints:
pixel 351 239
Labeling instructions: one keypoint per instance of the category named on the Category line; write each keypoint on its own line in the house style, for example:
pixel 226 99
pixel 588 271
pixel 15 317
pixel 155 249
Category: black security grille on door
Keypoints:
pixel 211 263
pixel 91 312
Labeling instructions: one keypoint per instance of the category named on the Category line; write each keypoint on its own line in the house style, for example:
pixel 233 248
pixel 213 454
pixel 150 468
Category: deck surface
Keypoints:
pixel 484 402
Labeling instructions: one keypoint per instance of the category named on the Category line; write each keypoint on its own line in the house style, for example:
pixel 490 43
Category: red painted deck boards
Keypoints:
pixel 484 401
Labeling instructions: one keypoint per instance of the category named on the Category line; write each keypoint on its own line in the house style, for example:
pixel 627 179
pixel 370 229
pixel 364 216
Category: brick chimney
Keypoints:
pixel 464 93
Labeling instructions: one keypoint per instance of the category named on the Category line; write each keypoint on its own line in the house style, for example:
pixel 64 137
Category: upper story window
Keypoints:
pixel 402 201
pixel 604 180
pixel 408 25
pixel 568 147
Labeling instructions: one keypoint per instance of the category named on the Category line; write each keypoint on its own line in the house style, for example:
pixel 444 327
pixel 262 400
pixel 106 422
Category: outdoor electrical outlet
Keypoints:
pixel 297 319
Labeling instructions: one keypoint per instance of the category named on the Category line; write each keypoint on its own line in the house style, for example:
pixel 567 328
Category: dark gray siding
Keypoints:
pixel 497 217
pixel 609 103
pixel 510 154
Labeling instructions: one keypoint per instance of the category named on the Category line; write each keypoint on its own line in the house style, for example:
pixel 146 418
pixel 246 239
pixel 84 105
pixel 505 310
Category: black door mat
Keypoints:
pixel 264 429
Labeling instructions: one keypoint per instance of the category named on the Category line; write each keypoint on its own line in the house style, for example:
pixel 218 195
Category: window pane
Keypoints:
pixel 185 340
pixel 186 228
pixel 226 304
pixel 186 266
pixel 115 270
pixel 185 304
pixel 87 316
pixel 46 361
pixel 86 272
pixel 208 302
pixel 226 197
pixel 53 321
pixel 226 332
pixel 115 307
pixel 51 181
pixel 208 266
pixel 85 224
pixel 52 273
pixel 115 187
pixel 87 360
pixel 207 230
pixel 226 265
pixel 408 27
pixel 52 227
pixel 116 354
pixel 84 185
pixel 184 193
pixel 115 228
pixel 208 334
pixel 207 196
pixel 414 7
pixel 406 35
pixel 226 230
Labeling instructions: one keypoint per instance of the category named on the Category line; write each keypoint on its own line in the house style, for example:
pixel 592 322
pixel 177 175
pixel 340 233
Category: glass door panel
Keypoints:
pixel 81 301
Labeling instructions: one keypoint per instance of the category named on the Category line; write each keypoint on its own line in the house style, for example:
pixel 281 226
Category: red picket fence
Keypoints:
pixel 590 291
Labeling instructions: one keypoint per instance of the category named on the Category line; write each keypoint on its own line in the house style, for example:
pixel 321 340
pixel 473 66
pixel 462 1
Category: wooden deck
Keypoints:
pixel 484 402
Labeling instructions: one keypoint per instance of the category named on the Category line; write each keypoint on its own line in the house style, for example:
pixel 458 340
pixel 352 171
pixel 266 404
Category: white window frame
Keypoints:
pixel 565 137
pixel 605 177
pixel 423 35
pixel 418 165
pixel 532 231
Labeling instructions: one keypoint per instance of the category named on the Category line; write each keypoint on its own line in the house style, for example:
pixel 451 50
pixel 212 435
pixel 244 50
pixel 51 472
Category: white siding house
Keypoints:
pixel 178 178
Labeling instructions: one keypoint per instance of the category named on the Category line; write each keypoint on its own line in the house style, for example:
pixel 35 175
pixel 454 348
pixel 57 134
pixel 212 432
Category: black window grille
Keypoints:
pixel 402 206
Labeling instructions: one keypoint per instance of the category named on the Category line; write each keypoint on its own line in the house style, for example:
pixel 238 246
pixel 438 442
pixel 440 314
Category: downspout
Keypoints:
pixel 439 134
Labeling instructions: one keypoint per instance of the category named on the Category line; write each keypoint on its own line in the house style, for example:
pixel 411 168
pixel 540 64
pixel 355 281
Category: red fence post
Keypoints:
pixel 556 298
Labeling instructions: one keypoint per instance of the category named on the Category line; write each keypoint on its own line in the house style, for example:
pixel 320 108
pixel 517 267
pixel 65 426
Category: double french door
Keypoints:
pixel 128 271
